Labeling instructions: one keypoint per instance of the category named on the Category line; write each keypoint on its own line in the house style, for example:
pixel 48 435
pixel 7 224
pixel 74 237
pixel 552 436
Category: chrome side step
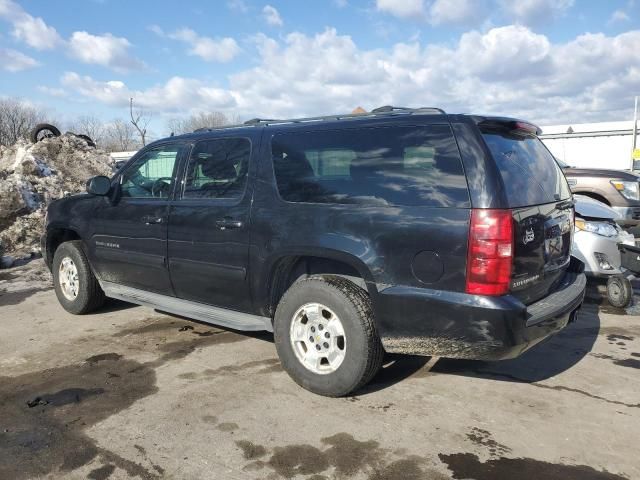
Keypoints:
pixel 187 308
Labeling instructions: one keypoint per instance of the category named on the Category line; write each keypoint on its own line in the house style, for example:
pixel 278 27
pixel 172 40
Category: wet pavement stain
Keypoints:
pixel 48 437
pixel 635 354
pixel 615 338
pixel 469 466
pixel 104 356
pixel 251 451
pixel 341 456
pixel 228 427
pixel 484 438
pixel 628 362
pixel 101 473
pixel 295 460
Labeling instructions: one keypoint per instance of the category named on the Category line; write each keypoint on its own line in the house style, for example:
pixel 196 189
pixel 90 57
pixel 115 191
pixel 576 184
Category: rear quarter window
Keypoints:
pixel 405 165
pixel 529 172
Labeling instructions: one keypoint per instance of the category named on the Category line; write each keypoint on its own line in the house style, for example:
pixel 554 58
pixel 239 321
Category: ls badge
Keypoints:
pixel 529 236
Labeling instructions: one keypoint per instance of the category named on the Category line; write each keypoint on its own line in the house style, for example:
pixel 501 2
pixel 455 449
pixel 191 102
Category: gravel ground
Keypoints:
pixel 132 392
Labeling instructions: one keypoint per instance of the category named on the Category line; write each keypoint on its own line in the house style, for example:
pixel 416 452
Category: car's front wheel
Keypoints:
pixel 326 337
pixel 76 286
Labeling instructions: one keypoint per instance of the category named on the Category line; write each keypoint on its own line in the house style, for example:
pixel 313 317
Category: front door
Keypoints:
pixel 209 225
pixel 129 241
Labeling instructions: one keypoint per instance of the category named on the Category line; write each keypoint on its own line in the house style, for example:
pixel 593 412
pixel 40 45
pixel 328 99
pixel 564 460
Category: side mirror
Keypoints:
pixel 99 185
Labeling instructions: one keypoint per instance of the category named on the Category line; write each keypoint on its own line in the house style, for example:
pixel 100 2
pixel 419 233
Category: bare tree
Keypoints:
pixel 120 136
pixel 140 120
pixel 16 120
pixel 194 122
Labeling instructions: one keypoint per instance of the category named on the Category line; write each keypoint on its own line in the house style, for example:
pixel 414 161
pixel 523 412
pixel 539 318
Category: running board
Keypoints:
pixel 187 308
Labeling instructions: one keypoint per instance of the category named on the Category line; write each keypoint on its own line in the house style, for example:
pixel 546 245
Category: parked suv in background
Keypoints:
pixel 404 230
pixel 617 188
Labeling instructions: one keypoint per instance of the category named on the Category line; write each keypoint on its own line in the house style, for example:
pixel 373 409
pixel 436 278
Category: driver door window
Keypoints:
pixel 151 175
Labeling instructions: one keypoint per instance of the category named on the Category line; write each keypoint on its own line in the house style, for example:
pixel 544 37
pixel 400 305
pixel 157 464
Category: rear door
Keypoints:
pixel 539 196
pixel 209 225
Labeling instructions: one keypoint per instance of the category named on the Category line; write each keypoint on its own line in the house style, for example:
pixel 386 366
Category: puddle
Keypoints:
pixel 467 465
pixel 45 414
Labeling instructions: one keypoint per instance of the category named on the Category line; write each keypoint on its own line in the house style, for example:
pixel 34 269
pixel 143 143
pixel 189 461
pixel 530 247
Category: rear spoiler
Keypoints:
pixel 510 124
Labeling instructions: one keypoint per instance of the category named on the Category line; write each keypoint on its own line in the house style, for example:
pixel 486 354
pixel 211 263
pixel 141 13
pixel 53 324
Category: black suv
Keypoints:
pixel 403 230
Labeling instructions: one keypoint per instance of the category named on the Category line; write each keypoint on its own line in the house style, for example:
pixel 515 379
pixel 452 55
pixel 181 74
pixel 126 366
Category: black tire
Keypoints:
pixel 619 291
pixel 89 296
pixel 43 130
pixel 87 139
pixel 363 353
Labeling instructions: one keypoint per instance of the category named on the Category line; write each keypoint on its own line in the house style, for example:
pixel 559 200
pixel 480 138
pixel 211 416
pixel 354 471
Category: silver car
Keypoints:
pixel 596 237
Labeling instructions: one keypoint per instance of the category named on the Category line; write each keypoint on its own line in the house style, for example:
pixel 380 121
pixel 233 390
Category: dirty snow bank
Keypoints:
pixel 33 175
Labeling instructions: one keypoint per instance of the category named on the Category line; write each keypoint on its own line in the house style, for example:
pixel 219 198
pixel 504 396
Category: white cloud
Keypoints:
pixel 341 3
pixel 52 91
pixel 508 70
pixel 238 6
pixel 618 16
pixel 176 95
pixel 209 49
pixel 402 8
pixel 105 50
pixel 272 16
pixel 464 12
pixel 14 61
pixel 535 12
pixel 28 29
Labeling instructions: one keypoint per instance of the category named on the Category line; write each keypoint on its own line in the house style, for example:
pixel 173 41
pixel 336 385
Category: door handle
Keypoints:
pixel 151 220
pixel 228 223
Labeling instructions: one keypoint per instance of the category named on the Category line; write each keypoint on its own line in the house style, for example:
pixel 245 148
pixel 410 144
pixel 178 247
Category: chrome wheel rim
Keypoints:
pixel 317 338
pixel 68 278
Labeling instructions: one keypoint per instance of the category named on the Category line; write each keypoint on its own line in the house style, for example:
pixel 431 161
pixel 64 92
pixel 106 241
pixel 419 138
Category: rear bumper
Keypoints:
pixel 457 325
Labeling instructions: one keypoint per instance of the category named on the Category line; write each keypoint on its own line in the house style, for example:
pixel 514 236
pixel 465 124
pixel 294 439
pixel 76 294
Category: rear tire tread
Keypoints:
pixel 362 304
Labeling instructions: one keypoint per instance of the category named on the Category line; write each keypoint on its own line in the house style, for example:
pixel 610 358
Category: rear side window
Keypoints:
pixel 217 168
pixel 530 174
pixel 371 166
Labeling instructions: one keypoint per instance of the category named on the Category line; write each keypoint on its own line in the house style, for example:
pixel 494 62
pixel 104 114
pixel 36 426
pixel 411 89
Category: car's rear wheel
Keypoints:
pixel 326 337
pixel 76 286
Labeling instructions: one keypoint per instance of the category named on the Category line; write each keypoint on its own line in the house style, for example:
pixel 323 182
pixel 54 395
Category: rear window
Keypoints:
pixel 530 174
pixel 371 166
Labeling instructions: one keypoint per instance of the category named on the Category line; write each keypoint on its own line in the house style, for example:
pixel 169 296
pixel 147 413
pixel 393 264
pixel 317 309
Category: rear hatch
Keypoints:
pixel 539 197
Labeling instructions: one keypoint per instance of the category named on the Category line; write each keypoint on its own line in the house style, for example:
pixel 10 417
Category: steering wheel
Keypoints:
pixel 160 186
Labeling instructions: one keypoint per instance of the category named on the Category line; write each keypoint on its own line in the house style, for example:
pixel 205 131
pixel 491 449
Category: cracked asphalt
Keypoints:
pixel 134 393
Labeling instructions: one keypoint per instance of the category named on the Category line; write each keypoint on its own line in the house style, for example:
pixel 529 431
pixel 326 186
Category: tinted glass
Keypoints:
pixel 371 166
pixel 218 169
pixel 152 174
pixel 530 174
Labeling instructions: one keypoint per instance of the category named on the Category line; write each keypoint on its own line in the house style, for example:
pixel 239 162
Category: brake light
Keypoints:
pixel 490 252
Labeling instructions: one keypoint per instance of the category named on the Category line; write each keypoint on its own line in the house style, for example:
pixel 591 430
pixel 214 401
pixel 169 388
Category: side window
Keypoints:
pixel 405 165
pixel 218 169
pixel 151 175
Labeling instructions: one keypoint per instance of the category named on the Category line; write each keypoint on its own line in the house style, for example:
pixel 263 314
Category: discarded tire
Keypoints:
pixel 87 139
pixel 42 131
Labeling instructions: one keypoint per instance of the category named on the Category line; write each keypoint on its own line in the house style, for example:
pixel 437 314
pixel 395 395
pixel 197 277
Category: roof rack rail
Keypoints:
pixel 384 110
pixel 391 109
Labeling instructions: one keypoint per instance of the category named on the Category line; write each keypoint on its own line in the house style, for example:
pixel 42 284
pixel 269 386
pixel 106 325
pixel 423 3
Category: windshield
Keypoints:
pixel 529 172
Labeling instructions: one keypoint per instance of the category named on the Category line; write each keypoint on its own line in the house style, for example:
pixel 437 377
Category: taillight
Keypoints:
pixel 490 253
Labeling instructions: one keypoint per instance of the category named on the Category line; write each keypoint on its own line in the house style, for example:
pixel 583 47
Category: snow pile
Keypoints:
pixel 33 175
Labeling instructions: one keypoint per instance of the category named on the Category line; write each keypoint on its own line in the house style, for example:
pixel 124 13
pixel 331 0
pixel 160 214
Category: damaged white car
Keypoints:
pixel 596 239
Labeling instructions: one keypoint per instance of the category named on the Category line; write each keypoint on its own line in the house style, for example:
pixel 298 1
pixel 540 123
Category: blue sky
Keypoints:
pixel 549 61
